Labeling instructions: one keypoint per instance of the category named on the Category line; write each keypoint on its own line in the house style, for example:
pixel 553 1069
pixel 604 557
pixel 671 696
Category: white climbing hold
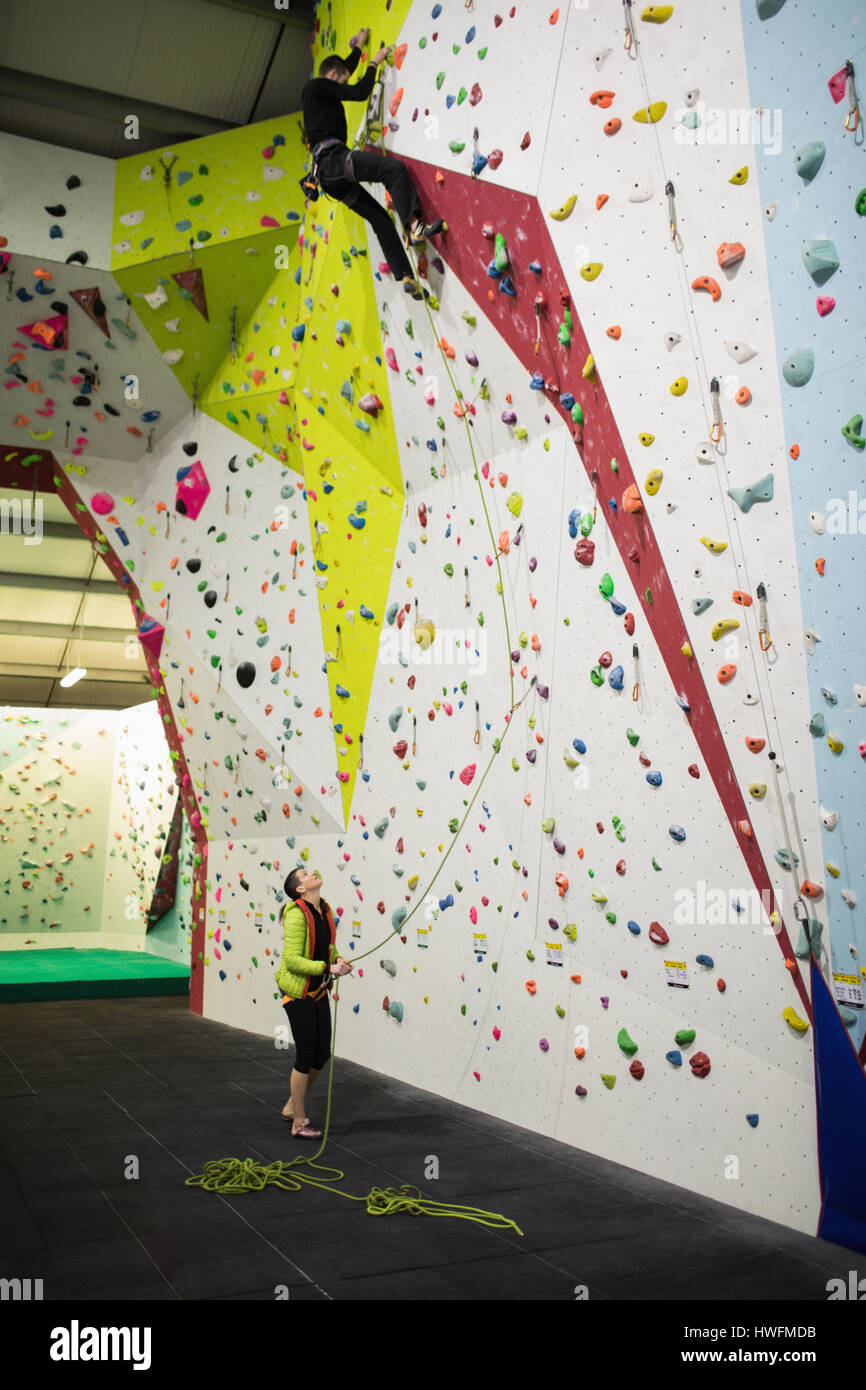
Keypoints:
pixel 641 190
pixel 829 818
pixel 671 340
pixel 704 453
pixel 740 351
pixel 818 522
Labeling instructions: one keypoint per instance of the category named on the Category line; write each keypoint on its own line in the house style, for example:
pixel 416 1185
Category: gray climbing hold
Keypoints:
pixel 389 967
pixel 816 725
pixel 798 368
pixel 746 497
pixel 768 8
pixel 816 928
pixel 809 159
pixel 700 605
pixel 394 718
pixel 783 858
pixel 820 258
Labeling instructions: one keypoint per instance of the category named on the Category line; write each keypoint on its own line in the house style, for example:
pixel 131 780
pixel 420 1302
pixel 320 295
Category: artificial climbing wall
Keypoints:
pixel 87 796
pixel 469 618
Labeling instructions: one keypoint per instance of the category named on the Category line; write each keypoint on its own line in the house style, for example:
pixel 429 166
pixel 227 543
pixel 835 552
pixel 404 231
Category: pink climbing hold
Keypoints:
pixel 102 503
pixel 473 915
pixel 467 774
pixel 269 222
pixel 497 1033
pixel 838 84
pixel 391 359
pixel 475 95
pixel 825 305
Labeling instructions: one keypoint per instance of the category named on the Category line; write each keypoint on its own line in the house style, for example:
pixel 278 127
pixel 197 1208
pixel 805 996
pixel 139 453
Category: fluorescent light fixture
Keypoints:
pixel 73 676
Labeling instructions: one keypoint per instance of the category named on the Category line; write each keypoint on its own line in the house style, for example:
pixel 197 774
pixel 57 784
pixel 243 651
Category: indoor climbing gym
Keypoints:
pixel 432 669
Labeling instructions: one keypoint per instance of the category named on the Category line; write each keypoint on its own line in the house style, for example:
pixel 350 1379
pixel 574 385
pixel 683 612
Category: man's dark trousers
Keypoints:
pixel 373 168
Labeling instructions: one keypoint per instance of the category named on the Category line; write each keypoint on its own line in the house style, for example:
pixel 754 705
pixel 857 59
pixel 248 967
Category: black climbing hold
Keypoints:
pixel 77 258
pixel 109 408
pixel 98 307
pixel 210 598
pixel 190 449
pixel 59 307
pixel 58 210
pixel 246 674
pixel 233 463
pixel 194 565
pixel 81 400
pixel 73 181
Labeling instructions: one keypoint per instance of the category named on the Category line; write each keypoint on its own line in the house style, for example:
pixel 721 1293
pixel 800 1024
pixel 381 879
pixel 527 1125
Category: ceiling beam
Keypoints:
pixel 25 671
pixel 106 106
pixel 10 627
pixel 55 583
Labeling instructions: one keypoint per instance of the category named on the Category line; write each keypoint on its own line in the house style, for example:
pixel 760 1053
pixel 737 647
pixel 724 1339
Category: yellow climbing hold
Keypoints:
pixel 588 372
pixel 740 176
pixel 717 547
pixel 559 214
pixel 657 14
pixel 648 115
pixel 794 1020
pixel 686 649
pixel 646 439
pixel 758 790
pixel 835 743
pixel 653 481
pixel 591 270
pixel 832 869
pixel 722 626
pixel 680 386
pixel 608 1079
pixel 515 504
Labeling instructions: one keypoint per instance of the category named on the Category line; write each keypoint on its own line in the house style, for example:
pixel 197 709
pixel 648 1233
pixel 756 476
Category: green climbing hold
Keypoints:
pixel 853 432
pixel 820 258
pixel 563 335
pixel 605 588
pixel 860 204
pixel 577 413
pixel 611 917
pixel 449 570
pixel 596 675
pixel 500 254
pixel 633 738
pixel 685 1037
pixel 560 1011
pixel 628 1046
pixel 440 78
pixel 457 146
pixel 453 825
pixel 530 956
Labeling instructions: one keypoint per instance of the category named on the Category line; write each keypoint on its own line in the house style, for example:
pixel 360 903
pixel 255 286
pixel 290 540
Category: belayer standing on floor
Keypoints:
pixel 340 171
pixel 308 966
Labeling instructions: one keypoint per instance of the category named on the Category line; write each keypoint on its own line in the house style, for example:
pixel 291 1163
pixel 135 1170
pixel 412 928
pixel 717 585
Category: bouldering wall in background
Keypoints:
pixel 87 797
pixel 463 602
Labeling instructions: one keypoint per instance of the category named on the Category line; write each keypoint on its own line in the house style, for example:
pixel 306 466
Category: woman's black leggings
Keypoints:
pixel 368 167
pixel 310 1022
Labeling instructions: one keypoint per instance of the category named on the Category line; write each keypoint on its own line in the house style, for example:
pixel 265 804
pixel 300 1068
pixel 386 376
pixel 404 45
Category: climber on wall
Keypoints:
pixel 308 966
pixel 340 171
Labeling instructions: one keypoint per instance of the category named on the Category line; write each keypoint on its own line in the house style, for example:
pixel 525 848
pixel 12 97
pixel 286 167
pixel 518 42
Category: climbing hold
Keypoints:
pixel 700 1064
pixel 809 159
pixel 657 934
pixel 755 745
pixel 675 1058
pixel 797 369
pixel 591 270
pixel 653 481
pixel 722 626
pixel 609 1080
pixel 853 432
pixel 707 283
pixel 646 439
pixel 726 673
pixel 792 1018
pixel 706 961
pixel 564 210
pixel 649 115
pixel 612 126
pixel 685 1037
pixel 730 253
pixel 820 258
pixel 637 1069
pixel 753 1121
pixel 680 386
pixel 677 833
pixel 717 547
pixel 758 790
pixel 741 176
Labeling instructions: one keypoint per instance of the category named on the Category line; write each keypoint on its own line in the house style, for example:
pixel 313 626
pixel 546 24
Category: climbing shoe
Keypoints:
pixel 417 291
pixel 422 230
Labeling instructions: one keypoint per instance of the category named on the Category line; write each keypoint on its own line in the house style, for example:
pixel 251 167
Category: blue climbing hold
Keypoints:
pixel 535 267
pixel 566 400
pixel 506 285
pixel 683 703
pixel 391 613
pixel 617 606
pixel 707 961
pixel 753 1121
pixel 615 678
pixel 298 332
pixel 578 745
pixel 357 521
pixel 676 832
pixel 675 1058
pixel 366 612
pixel 493 270
pixel 573 522
pixel 479 162
pixel 342 692
pixel 654 779
pixel 633 928
pixel 536 382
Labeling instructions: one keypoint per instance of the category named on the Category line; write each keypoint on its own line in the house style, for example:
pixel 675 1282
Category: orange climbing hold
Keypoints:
pixel 531 987
pixel 612 126
pixel 743 396
pixel 755 745
pixel 730 253
pixel 794 451
pixel 744 828
pixel 706 282
pixel 614 332
pixel 820 563
pixel 726 673
pixel 810 889
pixel 602 98
pixel 741 597
pixel 394 103
pixel 439 176
pixel 399 54
pixel 554 17
pixel 631 500
pixel 446 348
pixel 600 201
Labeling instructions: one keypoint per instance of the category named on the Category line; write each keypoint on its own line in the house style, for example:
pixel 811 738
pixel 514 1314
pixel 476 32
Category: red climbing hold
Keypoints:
pixel 637 1069
pixel 400 748
pixel 526 141
pixel 694 770
pixel 657 934
pixel 584 552
pixel 628 623
pixel 721 986
pixel 700 1064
